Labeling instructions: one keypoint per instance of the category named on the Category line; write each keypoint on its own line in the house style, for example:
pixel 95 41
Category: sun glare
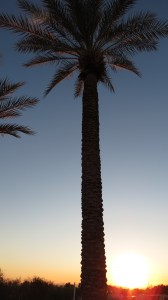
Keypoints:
pixel 129 270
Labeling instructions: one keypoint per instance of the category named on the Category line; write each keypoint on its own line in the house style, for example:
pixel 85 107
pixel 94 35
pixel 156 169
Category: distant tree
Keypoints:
pixel 35 289
pixel 12 107
pixel 2 289
pixel 1 276
pixel 92 37
pixel 39 289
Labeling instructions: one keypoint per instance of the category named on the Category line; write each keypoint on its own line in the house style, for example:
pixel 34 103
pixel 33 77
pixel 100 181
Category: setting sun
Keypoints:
pixel 129 270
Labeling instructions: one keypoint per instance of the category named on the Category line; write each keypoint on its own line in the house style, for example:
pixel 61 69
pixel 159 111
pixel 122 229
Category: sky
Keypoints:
pixel 40 199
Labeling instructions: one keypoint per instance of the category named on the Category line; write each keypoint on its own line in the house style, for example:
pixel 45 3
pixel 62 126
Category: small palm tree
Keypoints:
pixel 11 107
pixel 92 38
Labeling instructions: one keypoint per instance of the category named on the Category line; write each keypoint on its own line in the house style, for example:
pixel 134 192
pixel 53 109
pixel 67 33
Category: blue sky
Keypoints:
pixel 40 215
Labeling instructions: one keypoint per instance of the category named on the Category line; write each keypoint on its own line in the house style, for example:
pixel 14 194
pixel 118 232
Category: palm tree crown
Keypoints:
pixel 84 36
pixel 12 107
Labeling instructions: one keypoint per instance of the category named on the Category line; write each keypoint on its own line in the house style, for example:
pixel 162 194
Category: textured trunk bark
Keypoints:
pixel 93 264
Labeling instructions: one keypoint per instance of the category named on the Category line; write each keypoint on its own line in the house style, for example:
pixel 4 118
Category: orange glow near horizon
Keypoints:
pixel 56 278
pixel 124 270
pixel 57 274
pixel 129 270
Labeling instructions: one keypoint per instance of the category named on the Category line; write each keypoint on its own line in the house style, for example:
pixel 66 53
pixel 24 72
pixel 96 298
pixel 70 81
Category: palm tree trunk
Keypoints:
pixel 93 264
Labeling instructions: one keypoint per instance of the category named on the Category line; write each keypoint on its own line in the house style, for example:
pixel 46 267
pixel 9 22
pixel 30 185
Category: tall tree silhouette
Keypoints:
pixel 92 37
pixel 11 107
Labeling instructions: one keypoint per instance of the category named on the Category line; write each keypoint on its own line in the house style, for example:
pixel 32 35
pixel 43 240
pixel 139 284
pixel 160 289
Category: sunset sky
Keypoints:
pixel 40 199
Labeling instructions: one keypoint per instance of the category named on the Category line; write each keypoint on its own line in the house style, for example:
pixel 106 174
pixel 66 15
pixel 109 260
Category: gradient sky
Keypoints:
pixel 40 206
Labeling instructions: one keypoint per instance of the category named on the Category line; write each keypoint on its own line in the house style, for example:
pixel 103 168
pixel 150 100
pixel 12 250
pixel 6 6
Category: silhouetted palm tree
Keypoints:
pixel 11 107
pixel 91 37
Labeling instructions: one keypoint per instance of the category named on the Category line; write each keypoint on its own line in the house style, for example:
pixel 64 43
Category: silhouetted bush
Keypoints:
pixel 35 289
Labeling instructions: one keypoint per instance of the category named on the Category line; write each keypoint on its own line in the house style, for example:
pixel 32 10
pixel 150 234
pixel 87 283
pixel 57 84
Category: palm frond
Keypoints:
pixel 140 27
pixel 14 129
pixel 31 8
pixel 122 62
pixel 63 72
pixel 116 9
pixel 7 88
pixel 29 44
pixel 42 44
pixel 106 80
pixel 130 47
pixel 43 59
pixel 76 12
pixel 147 24
pixel 86 15
pixel 47 58
pixel 111 13
pixel 138 45
pixel 23 26
pixel 79 85
pixel 11 107
pixel 44 17
pixel 60 20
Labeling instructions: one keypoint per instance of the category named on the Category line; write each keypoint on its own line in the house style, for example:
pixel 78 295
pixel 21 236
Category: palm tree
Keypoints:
pixel 92 38
pixel 11 107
